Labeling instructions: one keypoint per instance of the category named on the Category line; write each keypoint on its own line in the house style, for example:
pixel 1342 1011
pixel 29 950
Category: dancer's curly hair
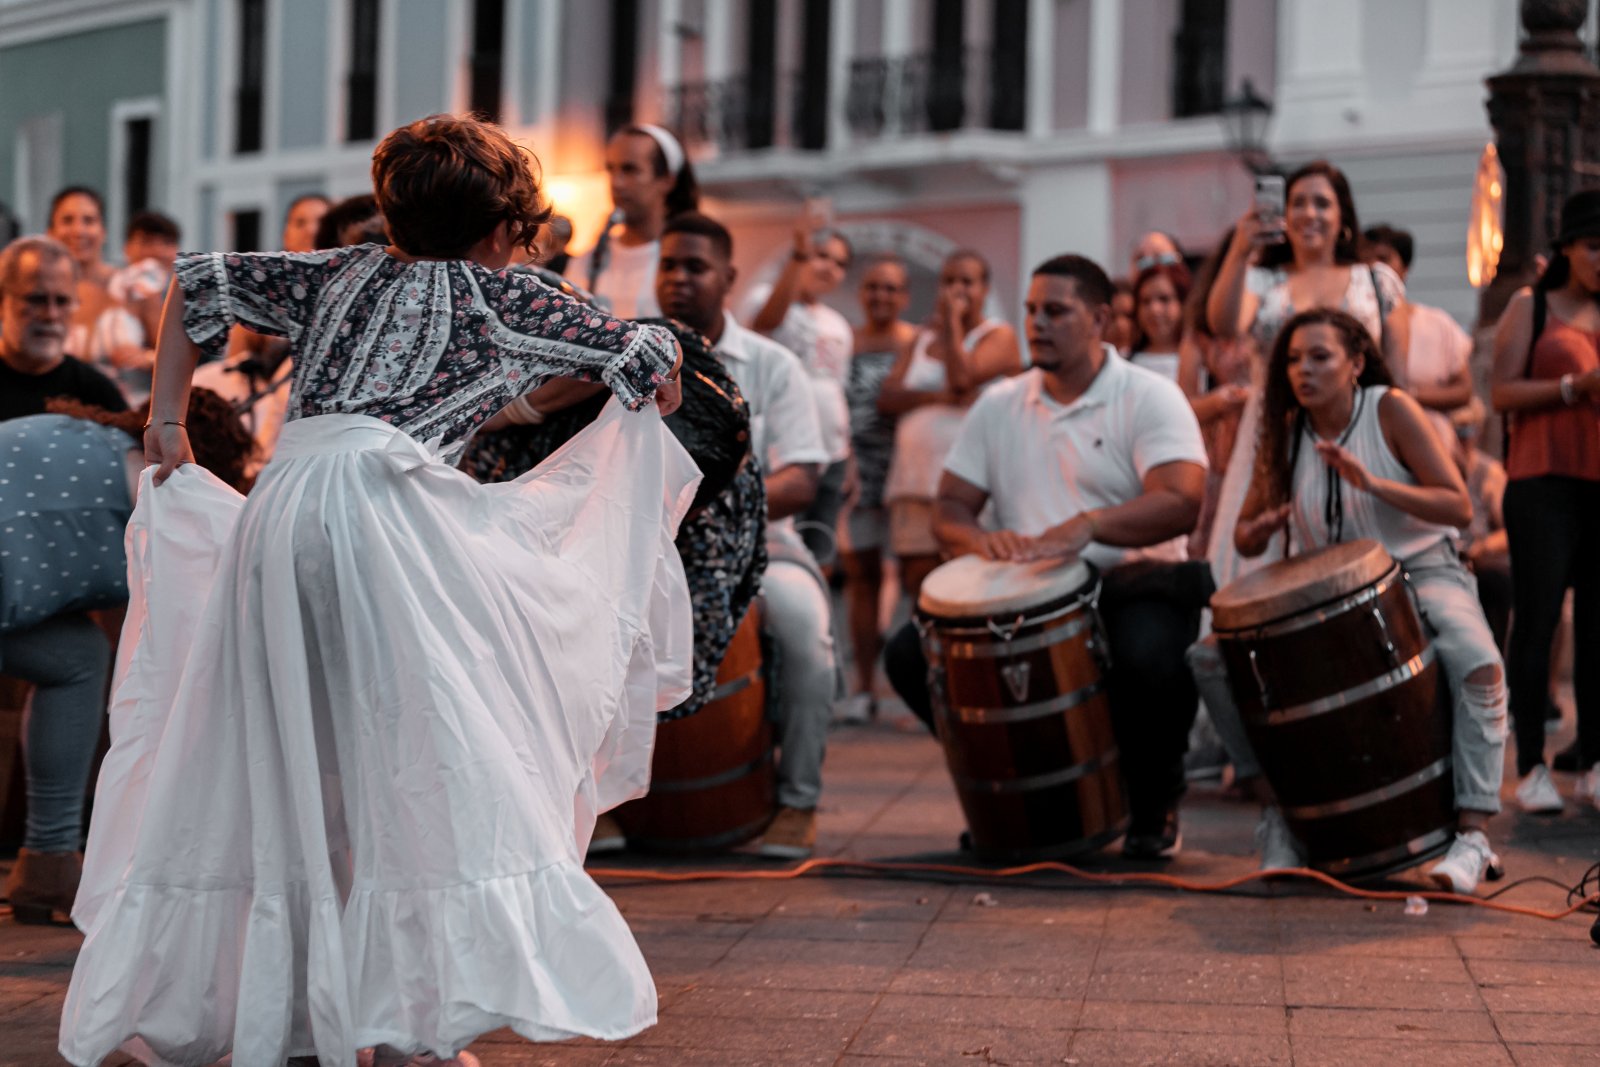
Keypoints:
pixel 220 442
pixel 445 182
pixel 1282 417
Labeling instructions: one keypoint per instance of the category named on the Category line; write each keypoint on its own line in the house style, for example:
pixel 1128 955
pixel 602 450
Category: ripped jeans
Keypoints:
pixel 1447 595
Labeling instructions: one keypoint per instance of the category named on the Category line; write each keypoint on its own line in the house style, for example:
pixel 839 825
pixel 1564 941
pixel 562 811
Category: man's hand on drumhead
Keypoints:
pixel 1066 541
pixel 1006 545
pixel 1344 464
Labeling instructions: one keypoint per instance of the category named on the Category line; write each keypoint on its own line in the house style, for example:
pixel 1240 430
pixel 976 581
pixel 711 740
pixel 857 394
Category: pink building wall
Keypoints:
pixel 1194 198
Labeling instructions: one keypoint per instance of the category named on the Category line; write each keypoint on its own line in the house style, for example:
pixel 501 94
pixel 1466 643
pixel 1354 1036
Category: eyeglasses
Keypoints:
pixel 41 302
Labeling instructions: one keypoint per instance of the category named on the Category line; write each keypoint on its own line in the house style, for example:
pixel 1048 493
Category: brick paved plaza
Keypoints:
pixel 864 971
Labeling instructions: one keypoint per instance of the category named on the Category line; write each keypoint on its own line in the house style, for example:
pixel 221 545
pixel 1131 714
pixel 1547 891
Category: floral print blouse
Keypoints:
pixel 433 347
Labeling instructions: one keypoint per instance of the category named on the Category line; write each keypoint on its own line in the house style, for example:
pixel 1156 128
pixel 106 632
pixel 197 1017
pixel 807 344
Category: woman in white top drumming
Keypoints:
pixel 1275 267
pixel 933 382
pixel 1343 456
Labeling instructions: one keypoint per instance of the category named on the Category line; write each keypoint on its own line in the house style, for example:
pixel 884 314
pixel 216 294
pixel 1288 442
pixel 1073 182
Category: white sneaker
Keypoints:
pixel 854 710
pixel 1275 842
pixel 1589 785
pixel 1463 866
pixel 1536 793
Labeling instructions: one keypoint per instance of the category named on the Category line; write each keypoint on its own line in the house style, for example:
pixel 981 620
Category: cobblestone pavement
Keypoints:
pixel 843 970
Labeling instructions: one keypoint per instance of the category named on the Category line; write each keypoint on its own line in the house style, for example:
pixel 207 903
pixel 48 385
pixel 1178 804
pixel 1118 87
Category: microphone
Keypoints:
pixel 597 260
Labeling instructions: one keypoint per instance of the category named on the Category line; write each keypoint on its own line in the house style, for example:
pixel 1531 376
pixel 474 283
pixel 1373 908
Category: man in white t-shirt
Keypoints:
pixel 1087 455
pixel 1439 356
pixel 651 180
pixel 791 312
pixel 692 285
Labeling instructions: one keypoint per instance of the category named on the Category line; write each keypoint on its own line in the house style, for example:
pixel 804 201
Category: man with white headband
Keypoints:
pixel 651 180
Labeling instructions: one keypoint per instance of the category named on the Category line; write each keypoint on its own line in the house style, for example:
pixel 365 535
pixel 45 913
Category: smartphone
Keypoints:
pixel 1270 205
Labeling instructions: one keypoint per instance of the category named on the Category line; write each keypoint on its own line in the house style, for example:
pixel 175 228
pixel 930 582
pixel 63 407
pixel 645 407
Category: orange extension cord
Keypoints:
pixel 1134 878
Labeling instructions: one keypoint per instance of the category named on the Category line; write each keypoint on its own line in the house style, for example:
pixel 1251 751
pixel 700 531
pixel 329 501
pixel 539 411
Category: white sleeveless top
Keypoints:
pixel 925 372
pixel 924 435
pixel 1163 363
pixel 1364 515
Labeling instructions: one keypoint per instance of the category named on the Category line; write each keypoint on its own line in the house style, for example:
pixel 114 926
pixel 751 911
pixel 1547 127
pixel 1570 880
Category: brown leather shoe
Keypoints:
pixel 792 835
pixel 43 885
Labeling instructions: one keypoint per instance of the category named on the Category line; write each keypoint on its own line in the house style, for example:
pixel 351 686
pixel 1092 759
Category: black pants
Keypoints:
pixel 1151 614
pixel 1553 524
pixel 819 523
pixel 1494 594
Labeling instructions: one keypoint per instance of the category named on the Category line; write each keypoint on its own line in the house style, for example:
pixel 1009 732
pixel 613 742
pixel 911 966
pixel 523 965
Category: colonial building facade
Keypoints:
pixel 1019 127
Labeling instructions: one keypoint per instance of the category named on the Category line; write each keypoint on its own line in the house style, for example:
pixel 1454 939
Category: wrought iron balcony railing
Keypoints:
pixel 883 97
pixel 978 88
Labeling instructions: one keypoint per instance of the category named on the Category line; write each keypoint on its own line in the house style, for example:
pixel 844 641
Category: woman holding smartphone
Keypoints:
pixel 1280 264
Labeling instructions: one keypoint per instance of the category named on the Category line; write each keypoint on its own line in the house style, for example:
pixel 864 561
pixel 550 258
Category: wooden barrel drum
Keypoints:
pixel 712 781
pixel 1016 663
pixel 1341 696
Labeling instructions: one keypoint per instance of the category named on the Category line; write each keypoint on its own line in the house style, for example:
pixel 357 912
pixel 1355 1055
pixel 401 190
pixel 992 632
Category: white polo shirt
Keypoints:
pixel 1042 462
pixel 783 413
pixel 627 285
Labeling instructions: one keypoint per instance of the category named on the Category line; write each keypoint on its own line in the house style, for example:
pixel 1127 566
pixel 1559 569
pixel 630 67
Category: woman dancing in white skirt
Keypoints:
pixel 365 718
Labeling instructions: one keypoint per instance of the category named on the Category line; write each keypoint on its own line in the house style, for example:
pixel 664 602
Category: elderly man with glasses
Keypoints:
pixel 38 294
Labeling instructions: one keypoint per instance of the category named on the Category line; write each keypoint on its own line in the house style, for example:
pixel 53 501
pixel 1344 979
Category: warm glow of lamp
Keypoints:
pixel 586 200
pixel 1485 234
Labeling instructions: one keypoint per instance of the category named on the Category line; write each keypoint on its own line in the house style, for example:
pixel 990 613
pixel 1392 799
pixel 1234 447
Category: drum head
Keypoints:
pixel 972 586
pixel 1294 585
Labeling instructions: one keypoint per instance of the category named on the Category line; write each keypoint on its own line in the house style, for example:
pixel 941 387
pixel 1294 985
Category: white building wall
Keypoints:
pixel 1389 89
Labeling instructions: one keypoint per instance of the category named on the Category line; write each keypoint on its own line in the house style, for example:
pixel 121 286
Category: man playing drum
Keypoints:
pixel 1343 457
pixel 1088 455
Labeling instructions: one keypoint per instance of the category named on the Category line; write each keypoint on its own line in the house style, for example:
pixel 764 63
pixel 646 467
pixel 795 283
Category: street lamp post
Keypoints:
pixel 1245 118
pixel 1546 116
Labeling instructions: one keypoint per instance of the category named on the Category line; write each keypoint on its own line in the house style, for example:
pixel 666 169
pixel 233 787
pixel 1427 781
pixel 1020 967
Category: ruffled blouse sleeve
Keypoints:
pixel 270 293
pixel 541 333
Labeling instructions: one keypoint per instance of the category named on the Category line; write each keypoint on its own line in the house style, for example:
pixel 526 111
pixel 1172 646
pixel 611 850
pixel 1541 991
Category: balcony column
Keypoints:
pixel 547 92
pixel 717 45
pixel 897 28
pixel 1105 64
pixel 1041 66
pixel 1067 208
pixel 669 48
pixel 841 45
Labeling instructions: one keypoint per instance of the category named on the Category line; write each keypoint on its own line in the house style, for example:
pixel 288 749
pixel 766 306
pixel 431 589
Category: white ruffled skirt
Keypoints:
pixel 362 725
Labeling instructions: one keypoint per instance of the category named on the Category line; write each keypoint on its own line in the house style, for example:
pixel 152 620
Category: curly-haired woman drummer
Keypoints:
pixel 1344 456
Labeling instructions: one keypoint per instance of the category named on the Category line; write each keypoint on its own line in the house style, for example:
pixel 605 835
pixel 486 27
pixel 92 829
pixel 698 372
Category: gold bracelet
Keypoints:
pixel 167 422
